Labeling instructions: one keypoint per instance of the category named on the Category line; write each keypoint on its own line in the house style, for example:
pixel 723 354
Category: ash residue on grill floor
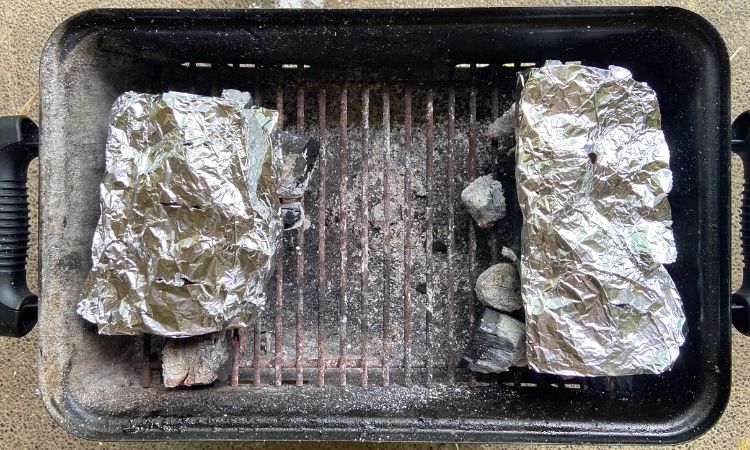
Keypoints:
pixel 222 407
pixel 424 345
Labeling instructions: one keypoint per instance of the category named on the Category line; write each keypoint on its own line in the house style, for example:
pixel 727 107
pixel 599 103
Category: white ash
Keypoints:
pixel 485 201
pixel 417 187
pixel 377 215
pixel 499 287
pixel 499 343
pixel 196 360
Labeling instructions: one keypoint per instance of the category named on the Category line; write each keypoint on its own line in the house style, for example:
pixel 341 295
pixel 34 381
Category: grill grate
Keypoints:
pixel 349 265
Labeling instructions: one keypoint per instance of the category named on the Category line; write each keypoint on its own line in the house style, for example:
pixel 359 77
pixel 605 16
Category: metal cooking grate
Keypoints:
pixel 374 306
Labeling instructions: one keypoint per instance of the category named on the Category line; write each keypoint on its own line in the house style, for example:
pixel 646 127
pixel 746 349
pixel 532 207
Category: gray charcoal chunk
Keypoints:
pixel 499 287
pixel 196 360
pixel 300 154
pixel 484 200
pixel 498 344
pixel 293 215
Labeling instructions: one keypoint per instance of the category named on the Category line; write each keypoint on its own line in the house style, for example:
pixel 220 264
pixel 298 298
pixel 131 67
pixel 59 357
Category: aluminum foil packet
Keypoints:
pixel 190 218
pixel 593 176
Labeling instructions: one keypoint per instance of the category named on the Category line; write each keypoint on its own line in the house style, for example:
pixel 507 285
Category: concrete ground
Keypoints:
pixel 24 27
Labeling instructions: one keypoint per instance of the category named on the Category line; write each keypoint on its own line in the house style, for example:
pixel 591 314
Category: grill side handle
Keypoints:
pixel 741 299
pixel 19 144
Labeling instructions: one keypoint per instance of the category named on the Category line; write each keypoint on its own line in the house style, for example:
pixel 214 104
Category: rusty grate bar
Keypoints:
pixel 234 378
pixel 146 364
pixel 430 149
pixel 321 231
pixel 301 106
pixel 407 236
pixel 365 225
pixel 256 351
pixel 277 329
pixel 450 305
pixel 472 163
pixel 343 244
pixel 386 234
pixel 494 148
pixel 300 307
pixel 240 344
pixel 280 107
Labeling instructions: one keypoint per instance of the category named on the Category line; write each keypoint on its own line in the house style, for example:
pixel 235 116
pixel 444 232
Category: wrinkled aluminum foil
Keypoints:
pixel 189 220
pixel 593 177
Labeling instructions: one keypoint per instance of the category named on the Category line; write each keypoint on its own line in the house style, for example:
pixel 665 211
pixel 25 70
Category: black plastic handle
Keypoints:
pixel 19 144
pixel 740 299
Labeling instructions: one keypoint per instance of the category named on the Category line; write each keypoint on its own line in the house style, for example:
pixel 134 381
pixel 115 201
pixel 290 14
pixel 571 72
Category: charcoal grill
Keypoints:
pixel 371 307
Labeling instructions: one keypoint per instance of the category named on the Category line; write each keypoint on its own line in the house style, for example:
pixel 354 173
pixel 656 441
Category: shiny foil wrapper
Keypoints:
pixel 189 221
pixel 593 176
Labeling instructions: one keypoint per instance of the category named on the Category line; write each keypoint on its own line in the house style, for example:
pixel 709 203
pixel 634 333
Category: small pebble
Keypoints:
pixel 484 200
pixel 499 287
